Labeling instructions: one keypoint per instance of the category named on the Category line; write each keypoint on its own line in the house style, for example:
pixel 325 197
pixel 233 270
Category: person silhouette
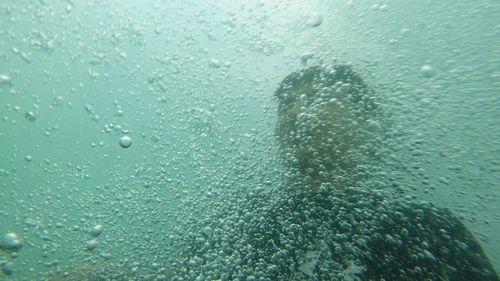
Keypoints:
pixel 326 223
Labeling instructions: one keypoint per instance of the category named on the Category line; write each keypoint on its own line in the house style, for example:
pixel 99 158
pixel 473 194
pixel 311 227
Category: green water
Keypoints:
pixel 192 83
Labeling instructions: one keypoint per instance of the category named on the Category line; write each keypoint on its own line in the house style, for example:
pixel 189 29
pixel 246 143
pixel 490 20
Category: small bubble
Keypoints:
pixel 96 230
pixel 427 70
pixel 125 141
pixel 30 116
pixel 5 79
pixel 315 20
pixel 306 57
pixel 10 242
pixel 89 108
pixel 213 63
pixel 28 158
pixel 91 244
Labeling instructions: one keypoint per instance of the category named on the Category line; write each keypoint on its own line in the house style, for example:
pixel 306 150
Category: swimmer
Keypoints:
pixel 325 224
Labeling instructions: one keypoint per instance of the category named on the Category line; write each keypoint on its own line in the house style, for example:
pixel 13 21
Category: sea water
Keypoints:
pixel 124 121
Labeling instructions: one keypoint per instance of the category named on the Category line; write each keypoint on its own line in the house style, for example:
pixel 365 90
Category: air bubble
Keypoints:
pixel 96 230
pixel 10 242
pixel 30 116
pixel 91 244
pixel 125 141
pixel 315 20
pixel 427 70
pixel 213 63
pixel 5 79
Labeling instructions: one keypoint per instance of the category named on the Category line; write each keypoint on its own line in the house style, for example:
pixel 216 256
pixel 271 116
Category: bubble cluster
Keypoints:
pixel 331 235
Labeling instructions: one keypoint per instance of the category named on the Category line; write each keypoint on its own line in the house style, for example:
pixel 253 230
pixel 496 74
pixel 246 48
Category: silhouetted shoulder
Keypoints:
pixel 421 242
pixel 346 234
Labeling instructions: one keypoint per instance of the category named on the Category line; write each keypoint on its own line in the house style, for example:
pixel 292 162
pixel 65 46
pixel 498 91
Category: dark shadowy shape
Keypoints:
pixel 325 225
pixel 328 125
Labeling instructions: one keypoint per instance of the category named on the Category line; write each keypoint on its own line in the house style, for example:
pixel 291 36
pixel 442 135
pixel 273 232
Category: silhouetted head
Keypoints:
pixel 325 118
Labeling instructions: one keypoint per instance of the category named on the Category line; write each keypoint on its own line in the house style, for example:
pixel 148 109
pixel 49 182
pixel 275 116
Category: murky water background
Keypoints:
pixel 191 83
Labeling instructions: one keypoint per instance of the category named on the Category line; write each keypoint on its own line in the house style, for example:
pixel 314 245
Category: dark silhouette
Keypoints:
pixel 325 224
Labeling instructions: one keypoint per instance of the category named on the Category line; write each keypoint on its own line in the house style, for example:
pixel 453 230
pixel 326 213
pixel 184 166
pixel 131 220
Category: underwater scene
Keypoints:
pixel 256 140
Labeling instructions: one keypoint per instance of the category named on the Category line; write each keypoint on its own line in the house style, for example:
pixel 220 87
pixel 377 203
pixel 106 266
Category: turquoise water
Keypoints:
pixel 191 83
